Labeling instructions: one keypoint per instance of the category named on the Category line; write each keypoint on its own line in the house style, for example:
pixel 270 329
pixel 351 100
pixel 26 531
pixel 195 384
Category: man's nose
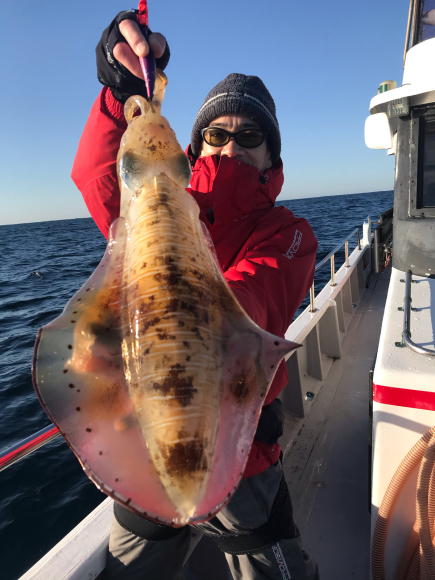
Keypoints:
pixel 231 149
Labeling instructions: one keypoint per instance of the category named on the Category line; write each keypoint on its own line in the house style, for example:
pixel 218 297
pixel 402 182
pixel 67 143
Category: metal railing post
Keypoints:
pixel 406 333
pixel 407 305
pixel 408 31
pixel 414 23
pixel 333 270
pixel 312 303
pixel 367 231
pixel 346 251
pixel 358 240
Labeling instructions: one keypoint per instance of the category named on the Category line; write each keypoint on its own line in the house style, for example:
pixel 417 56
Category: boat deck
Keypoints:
pixel 326 457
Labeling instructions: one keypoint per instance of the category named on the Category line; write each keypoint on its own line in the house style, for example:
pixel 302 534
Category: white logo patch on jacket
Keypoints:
pixel 281 562
pixel 295 245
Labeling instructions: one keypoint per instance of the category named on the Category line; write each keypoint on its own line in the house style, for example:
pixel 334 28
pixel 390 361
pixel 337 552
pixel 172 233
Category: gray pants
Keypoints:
pixel 133 558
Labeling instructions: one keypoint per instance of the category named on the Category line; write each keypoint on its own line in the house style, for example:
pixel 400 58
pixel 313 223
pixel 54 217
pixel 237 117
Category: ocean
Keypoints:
pixel 45 495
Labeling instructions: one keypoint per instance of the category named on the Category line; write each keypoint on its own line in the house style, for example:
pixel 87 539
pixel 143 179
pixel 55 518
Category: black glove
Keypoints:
pixel 111 72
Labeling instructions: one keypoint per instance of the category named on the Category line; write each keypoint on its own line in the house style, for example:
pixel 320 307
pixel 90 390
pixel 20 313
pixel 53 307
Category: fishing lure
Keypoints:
pixel 147 63
pixel 154 373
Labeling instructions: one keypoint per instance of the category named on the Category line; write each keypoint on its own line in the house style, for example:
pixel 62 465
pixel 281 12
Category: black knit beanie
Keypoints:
pixel 240 95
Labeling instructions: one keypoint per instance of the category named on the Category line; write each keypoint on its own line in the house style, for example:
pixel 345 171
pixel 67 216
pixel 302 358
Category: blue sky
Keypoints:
pixel 322 63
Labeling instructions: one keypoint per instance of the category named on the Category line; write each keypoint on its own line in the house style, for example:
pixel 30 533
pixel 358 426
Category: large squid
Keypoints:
pixel 154 373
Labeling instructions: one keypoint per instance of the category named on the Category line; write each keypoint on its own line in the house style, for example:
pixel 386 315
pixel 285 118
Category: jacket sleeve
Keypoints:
pixel 94 169
pixel 273 278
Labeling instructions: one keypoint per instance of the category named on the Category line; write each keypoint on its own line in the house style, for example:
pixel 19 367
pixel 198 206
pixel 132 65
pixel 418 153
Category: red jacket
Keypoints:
pixel 266 253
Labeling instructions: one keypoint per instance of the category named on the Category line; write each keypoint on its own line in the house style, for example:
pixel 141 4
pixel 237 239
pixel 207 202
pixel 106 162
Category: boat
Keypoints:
pixel 403 379
pixel 361 392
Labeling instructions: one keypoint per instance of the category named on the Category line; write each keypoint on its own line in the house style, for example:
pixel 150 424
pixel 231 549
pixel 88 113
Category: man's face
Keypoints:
pixel 258 157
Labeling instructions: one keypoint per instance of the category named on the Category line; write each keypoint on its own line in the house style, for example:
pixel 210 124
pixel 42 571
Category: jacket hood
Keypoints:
pixel 233 188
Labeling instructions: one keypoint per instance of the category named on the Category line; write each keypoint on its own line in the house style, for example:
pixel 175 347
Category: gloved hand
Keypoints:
pixel 117 56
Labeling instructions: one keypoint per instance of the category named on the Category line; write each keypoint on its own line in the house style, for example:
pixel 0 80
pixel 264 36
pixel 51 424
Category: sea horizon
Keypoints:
pixel 278 201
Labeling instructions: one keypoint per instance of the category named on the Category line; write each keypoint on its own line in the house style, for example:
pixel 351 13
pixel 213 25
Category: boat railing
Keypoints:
pixel 368 222
pixel 331 256
pixel 47 434
pixel 406 334
pixel 322 326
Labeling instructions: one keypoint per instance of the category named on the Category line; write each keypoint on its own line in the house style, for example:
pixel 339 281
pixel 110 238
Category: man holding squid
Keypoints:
pixel 267 256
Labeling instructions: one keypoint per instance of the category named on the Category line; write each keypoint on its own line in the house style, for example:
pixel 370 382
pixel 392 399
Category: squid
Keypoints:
pixel 154 373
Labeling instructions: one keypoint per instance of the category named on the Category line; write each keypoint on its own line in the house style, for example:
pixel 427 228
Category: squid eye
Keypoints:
pixel 131 170
pixel 182 169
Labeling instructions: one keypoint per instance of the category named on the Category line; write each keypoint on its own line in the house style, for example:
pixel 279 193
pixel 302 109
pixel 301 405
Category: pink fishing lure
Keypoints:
pixel 148 63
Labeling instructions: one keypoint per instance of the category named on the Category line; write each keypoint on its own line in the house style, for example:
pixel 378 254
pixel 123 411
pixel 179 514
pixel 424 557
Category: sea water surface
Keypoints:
pixel 42 265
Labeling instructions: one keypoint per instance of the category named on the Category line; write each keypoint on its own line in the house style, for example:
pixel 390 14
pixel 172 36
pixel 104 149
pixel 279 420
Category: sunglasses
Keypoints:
pixel 248 138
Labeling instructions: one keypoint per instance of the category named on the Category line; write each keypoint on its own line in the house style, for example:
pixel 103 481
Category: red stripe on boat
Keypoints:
pixel 404 397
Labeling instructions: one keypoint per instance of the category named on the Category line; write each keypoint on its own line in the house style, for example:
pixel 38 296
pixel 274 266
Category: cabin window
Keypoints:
pixel 426 28
pixel 422 162
pixel 426 194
